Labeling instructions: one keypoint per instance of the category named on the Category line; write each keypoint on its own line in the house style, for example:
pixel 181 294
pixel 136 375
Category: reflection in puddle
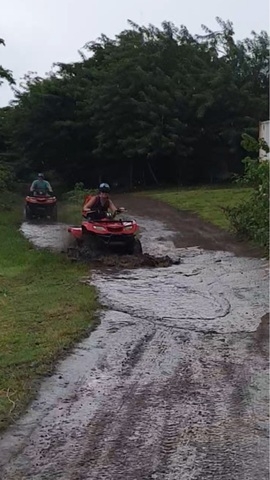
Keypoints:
pixel 53 236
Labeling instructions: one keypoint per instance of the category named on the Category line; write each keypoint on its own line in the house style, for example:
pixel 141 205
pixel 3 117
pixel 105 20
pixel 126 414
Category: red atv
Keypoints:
pixel 40 205
pixel 108 234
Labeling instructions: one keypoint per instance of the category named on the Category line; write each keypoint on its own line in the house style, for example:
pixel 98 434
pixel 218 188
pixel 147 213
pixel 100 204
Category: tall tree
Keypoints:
pixel 4 73
pixel 153 105
pixel 5 154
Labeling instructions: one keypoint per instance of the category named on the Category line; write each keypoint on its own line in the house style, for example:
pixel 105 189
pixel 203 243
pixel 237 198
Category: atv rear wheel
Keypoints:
pixel 27 213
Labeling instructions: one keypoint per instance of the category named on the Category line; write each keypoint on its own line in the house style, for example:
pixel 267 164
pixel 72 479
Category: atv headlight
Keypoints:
pixel 99 228
pixel 128 227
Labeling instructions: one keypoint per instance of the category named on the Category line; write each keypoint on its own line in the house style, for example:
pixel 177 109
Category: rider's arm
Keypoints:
pixel 48 185
pixel 32 188
pixel 112 207
pixel 89 204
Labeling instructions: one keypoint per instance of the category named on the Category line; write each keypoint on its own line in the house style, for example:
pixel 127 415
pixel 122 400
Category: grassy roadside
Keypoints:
pixel 207 202
pixel 44 309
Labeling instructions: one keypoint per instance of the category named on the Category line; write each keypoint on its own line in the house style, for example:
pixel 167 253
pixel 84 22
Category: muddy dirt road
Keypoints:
pixel 173 384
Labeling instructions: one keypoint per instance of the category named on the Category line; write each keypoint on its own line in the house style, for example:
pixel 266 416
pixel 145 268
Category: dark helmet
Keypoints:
pixel 41 175
pixel 104 187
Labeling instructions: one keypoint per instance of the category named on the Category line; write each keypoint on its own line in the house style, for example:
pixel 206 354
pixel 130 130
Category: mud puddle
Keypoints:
pixel 172 385
pixel 54 236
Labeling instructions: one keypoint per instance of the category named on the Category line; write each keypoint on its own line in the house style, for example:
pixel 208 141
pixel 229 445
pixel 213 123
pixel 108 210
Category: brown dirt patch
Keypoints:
pixel 190 230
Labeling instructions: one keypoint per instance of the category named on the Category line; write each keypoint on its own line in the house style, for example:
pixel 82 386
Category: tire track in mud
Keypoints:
pixel 170 386
pixel 172 429
pixel 128 434
pixel 169 419
pixel 136 352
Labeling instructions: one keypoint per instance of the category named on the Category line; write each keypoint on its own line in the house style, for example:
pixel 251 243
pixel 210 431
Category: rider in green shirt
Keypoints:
pixel 41 185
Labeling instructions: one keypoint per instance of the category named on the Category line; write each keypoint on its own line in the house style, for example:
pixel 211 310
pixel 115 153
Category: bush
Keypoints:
pixel 77 194
pixel 250 219
pixel 6 177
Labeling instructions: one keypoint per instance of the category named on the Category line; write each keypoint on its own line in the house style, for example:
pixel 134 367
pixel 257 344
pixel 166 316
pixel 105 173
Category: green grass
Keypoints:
pixel 44 310
pixel 207 202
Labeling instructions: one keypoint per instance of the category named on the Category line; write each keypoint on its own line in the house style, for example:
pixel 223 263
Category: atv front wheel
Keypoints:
pixel 135 248
pixel 89 246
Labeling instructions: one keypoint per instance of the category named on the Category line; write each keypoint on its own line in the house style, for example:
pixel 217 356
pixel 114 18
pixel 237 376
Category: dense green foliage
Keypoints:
pixel 152 106
pixel 6 170
pixel 77 194
pixel 250 218
pixel 6 177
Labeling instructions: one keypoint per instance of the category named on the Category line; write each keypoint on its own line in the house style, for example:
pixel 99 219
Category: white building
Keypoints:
pixel 264 132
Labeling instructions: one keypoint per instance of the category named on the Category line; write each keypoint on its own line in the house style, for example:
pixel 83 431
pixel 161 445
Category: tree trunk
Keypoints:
pixel 143 177
pixel 131 173
pixel 152 173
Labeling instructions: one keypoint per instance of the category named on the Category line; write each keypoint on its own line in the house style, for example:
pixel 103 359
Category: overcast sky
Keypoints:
pixel 40 32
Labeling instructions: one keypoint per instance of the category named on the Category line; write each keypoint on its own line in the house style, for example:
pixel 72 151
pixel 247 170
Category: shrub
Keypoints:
pixel 6 177
pixel 77 194
pixel 250 219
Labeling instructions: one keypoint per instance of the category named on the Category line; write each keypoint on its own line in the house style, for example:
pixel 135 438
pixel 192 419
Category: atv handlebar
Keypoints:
pixel 87 212
pixel 36 193
pixel 117 212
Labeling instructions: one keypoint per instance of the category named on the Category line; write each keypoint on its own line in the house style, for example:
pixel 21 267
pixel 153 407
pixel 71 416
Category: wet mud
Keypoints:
pixel 174 382
pixel 117 262
pixel 261 336
pixel 135 261
pixel 50 236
